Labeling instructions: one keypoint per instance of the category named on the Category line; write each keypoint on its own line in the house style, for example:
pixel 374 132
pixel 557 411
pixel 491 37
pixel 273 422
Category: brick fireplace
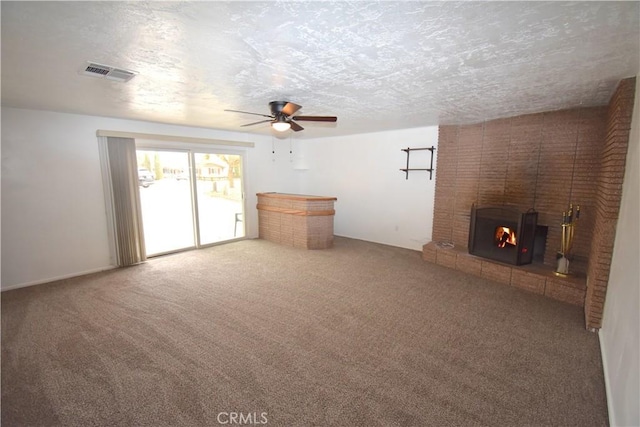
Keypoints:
pixel 543 162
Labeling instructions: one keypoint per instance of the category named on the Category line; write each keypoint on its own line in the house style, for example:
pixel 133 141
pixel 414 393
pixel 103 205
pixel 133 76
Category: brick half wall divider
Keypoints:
pixel 296 220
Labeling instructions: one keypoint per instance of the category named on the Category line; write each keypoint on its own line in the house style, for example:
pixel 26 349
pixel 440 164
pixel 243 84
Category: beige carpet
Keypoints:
pixel 358 335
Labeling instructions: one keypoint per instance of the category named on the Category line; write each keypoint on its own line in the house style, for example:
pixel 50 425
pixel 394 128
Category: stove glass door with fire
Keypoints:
pixel 502 234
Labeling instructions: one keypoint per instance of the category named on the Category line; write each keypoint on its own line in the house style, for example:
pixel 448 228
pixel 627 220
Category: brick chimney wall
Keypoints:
pixel 609 193
pixel 543 161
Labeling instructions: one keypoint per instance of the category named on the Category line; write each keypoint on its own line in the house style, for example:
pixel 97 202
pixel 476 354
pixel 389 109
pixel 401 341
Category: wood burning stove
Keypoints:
pixel 503 234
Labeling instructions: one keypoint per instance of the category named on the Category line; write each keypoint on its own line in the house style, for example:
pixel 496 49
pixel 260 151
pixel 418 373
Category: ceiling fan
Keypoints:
pixel 282 116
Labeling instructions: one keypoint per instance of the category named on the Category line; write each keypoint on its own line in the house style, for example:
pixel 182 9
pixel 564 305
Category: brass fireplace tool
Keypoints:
pixel 569 222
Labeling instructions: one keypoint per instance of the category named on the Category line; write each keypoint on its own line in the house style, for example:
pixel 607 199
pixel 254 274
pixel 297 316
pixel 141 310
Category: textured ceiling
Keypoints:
pixel 376 65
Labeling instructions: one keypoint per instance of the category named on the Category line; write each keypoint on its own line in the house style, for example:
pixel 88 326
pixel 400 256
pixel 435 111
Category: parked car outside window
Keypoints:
pixel 145 177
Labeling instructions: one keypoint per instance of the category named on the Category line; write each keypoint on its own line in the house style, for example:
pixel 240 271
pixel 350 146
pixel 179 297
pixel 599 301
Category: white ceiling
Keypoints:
pixel 376 65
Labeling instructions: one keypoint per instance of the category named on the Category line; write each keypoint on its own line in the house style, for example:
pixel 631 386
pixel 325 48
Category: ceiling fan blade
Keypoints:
pixel 317 118
pixel 255 123
pixel 290 108
pixel 246 112
pixel 295 127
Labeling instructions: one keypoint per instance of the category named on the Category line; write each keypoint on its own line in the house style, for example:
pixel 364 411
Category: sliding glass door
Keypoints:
pixel 219 196
pixel 189 199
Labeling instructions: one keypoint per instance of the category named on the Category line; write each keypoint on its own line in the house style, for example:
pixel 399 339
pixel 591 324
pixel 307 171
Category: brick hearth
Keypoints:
pixel 536 278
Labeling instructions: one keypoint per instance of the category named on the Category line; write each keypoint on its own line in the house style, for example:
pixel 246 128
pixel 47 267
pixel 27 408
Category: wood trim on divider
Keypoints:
pixel 297 197
pixel 187 139
pixel 296 212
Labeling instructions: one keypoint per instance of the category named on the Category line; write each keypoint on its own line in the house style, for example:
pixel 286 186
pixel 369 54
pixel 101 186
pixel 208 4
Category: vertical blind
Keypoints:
pixel 122 171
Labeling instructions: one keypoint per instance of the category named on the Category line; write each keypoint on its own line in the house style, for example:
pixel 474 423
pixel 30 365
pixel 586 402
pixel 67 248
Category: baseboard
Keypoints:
pixel 607 388
pixel 53 279
pixel 395 245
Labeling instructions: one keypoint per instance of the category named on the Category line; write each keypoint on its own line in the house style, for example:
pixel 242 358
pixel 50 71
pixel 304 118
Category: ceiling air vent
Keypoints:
pixel 112 73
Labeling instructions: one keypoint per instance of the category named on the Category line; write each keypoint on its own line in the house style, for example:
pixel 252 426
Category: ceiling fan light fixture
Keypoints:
pixel 280 124
pixel 282 117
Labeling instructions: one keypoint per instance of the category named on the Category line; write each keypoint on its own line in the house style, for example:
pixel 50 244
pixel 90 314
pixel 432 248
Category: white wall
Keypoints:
pixel 620 333
pixel 375 201
pixel 53 213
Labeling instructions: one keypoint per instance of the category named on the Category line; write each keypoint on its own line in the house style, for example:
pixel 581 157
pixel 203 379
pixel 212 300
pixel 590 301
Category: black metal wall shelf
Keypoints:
pixel 407 169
